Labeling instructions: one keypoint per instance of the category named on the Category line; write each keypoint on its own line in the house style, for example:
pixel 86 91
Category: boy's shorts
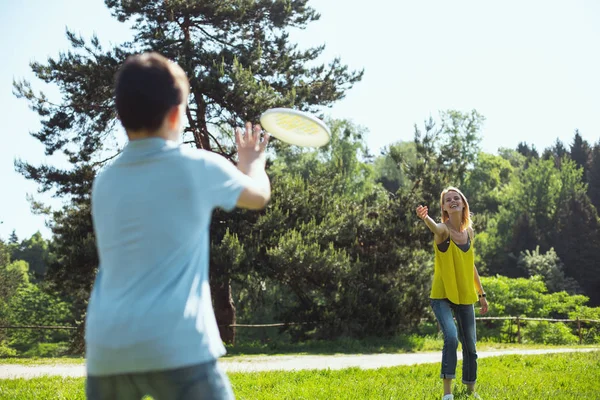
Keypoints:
pixel 202 381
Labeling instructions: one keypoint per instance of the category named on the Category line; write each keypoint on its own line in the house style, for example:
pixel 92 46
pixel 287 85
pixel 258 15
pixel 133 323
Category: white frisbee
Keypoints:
pixel 295 127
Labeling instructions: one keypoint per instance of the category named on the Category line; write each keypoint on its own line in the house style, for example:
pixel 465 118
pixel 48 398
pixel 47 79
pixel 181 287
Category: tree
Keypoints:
pixel 444 155
pixel 529 152
pixel 32 306
pixel 556 153
pixel 4 253
pixel 338 247
pixel 547 207
pixel 12 277
pixel 486 181
pixel 576 236
pixel 387 171
pixel 13 238
pixel 550 268
pixel 581 154
pixel 524 219
pixel 36 252
pixel 594 177
pixel 240 62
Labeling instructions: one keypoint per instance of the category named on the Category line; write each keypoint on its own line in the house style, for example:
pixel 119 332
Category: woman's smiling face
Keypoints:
pixel 453 202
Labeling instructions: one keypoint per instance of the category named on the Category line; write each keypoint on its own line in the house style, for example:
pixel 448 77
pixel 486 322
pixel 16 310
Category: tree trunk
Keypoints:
pixel 224 307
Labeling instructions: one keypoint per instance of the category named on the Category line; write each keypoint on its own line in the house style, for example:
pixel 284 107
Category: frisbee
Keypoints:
pixel 295 127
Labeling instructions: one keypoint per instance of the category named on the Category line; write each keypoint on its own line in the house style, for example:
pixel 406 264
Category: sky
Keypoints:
pixel 530 67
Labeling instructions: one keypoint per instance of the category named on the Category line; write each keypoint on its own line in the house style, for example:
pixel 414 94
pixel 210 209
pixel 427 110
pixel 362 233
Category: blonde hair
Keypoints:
pixel 466 214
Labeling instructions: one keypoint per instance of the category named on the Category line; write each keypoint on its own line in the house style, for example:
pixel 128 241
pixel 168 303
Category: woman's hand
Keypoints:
pixel 422 212
pixel 484 305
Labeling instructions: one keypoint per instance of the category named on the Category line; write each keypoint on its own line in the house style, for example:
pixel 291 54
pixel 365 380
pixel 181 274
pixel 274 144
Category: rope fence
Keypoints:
pixel 518 321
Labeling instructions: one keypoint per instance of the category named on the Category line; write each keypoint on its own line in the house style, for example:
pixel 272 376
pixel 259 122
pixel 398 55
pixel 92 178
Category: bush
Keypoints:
pixel 32 306
pixel 548 333
pixel 48 350
pixel 511 297
pixel 590 331
pixel 6 351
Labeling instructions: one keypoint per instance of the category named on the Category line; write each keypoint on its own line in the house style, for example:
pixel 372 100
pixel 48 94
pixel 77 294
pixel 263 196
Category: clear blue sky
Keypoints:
pixel 532 68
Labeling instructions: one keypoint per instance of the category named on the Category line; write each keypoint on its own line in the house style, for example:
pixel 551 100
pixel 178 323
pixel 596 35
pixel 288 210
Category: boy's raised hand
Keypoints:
pixel 249 144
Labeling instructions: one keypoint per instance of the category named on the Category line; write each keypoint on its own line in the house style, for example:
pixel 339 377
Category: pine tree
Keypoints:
pixel 594 177
pixel 581 153
pixel 240 62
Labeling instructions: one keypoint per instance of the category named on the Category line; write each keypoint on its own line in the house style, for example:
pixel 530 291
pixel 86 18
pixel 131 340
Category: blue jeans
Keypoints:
pixel 465 321
pixel 203 381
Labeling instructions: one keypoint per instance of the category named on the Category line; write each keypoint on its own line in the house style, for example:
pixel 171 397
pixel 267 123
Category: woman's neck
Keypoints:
pixel 455 221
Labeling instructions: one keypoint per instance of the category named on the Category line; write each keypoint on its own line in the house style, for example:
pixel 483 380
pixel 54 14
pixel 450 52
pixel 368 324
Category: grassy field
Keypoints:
pixel 399 344
pixel 557 376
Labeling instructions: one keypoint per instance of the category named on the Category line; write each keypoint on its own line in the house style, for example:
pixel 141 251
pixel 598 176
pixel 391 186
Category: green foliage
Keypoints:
pixel 487 181
pixel 327 242
pixel 20 268
pixel 590 330
pixel 389 168
pixel 444 155
pixel 556 333
pixel 4 253
pixel 529 152
pixel 594 176
pixel 546 205
pixel 550 268
pixel 529 298
pixel 32 306
pixel 240 61
pixel 10 280
pixel 35 251
pixel 581 154
pixel 6 351
pixel 47 350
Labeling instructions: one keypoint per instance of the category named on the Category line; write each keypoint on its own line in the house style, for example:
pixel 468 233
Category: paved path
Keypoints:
pixel 285 363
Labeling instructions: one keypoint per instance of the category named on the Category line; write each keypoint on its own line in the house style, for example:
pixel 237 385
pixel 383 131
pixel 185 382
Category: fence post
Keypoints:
pixel 579 329
pixel 518 330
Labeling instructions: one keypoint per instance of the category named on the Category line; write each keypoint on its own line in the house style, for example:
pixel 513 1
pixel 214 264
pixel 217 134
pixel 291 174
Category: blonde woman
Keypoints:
pixel 456 287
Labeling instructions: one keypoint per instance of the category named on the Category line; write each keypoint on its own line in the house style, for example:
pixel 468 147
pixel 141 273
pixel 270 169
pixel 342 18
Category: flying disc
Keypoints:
pixel 295 127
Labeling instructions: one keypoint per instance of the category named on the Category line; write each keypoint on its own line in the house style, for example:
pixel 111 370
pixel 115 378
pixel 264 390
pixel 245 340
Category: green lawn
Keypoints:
pixel 400 344
pixel 556 376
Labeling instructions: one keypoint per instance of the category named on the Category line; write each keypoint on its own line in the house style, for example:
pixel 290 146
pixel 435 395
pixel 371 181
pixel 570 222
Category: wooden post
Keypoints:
pixel 579 330
pixel 518 330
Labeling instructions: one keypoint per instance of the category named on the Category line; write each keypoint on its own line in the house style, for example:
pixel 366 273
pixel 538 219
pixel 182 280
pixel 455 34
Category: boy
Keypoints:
pixel 150 327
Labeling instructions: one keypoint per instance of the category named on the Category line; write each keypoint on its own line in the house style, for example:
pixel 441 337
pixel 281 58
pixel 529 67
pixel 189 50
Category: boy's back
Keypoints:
pixel 151 305
pixel 150 326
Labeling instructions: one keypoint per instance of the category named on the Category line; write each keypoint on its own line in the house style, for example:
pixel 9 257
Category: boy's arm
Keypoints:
pixel 251 155
pixel 256 196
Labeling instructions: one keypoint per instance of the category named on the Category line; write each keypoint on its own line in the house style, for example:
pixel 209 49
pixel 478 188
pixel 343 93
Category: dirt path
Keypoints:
pixel 285 363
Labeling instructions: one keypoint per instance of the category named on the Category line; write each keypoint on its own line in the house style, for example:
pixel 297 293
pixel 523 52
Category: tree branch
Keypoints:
pixel 107 159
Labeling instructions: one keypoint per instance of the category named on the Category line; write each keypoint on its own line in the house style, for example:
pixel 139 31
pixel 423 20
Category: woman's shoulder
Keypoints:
pixel 471 232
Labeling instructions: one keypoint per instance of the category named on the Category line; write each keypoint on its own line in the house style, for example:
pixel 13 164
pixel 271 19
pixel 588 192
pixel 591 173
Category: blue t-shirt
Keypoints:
pixel 151 308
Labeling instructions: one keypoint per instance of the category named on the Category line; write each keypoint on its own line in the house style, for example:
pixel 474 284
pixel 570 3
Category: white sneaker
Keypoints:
pixel 476 396
pixel 448 397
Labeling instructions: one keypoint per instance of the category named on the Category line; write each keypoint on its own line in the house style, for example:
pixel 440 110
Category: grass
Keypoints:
pixel 43 361
pixel 398 344
pixel 561 376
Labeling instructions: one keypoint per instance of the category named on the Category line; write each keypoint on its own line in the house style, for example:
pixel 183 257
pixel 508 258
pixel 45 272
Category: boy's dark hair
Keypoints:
pixel 147 86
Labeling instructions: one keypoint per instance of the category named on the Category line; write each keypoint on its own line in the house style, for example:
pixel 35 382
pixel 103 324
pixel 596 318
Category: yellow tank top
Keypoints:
pixel 453 276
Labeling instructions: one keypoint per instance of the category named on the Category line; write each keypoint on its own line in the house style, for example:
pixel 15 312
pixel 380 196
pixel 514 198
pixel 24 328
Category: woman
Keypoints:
pixel 456 286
